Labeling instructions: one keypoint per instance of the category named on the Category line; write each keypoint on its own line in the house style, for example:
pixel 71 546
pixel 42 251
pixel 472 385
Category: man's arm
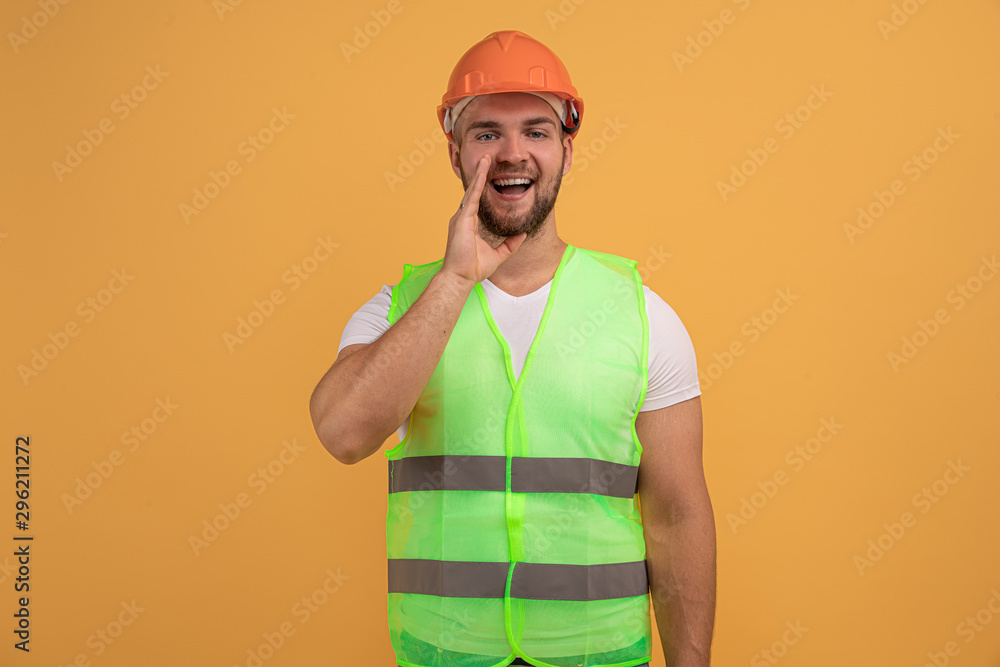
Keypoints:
pixel 370 389
pixel 679 530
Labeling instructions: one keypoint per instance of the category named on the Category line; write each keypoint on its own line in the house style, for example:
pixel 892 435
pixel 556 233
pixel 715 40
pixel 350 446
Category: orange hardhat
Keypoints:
pixel 509 61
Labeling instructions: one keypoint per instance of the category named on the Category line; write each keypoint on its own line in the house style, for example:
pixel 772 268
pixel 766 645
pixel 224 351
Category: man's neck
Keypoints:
pixel 534 263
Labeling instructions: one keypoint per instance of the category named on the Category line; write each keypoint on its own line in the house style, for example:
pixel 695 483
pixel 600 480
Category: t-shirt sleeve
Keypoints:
pixel 673 367
pixel 370 320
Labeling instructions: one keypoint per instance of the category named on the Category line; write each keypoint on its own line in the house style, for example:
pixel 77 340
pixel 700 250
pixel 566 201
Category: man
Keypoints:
pixel 541 388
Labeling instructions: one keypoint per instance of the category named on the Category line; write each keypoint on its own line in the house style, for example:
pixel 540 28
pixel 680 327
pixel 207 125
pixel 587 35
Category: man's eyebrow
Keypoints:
pixel 477 124
pixel 539 121
pixel 494 125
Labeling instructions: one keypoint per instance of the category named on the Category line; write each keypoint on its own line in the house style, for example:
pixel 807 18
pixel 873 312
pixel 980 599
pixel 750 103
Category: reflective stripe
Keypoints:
pixel 447 472
pixel 528 475
pixel 534 581
pixel 547 581
pixel 449 578
pixel 565 475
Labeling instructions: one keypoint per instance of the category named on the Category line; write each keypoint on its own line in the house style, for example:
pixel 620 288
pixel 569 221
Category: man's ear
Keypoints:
pixel 454 157
pixel 568 150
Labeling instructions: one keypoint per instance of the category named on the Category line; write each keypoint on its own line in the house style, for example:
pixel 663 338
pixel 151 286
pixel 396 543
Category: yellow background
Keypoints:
pixel 650 187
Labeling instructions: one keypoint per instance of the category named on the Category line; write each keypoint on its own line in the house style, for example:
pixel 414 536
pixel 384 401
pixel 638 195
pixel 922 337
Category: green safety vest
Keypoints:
pixel 512 525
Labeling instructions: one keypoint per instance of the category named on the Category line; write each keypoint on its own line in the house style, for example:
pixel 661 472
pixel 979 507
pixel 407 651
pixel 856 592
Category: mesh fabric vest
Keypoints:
pixel 512 525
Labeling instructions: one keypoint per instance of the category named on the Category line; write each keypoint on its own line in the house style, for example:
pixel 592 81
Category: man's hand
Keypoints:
pixel 467 256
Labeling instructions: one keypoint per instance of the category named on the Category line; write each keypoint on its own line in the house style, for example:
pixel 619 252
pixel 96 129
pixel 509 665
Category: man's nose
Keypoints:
pixel 510 149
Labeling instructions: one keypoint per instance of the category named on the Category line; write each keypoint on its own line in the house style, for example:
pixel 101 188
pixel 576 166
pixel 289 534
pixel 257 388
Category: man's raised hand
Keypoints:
pixel 467 255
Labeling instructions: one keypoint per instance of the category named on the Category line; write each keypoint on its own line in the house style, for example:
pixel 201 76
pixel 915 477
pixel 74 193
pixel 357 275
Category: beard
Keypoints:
pixel 501 223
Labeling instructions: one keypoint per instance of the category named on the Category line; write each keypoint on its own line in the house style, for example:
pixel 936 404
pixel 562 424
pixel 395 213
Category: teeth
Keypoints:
pixel 513 181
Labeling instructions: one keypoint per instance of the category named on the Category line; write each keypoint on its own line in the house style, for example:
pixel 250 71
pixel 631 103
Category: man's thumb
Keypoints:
pixel 512 243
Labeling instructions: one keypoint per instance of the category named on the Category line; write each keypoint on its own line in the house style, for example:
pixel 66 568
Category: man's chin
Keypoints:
pixel 507 230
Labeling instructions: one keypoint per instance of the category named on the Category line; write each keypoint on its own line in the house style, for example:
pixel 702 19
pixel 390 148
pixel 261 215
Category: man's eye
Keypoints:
pixel 488 134
pixel 539 134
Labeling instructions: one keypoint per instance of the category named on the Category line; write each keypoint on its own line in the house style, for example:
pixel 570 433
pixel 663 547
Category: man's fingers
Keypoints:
pixel 477 185
pixel 509 246
pixel 469 191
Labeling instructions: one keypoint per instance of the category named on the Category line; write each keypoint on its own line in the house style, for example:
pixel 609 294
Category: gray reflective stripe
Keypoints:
pixel 545 581
pixel 449 578
pixel 448 472
pixel 533 581
pixel 566 475
pixel 527 475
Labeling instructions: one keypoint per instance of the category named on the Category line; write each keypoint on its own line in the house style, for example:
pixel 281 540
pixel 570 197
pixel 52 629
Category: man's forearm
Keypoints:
pixel 680 561
pixel 363 398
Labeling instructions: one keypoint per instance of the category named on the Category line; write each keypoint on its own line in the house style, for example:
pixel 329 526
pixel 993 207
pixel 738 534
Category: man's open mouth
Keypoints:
pixel 511 186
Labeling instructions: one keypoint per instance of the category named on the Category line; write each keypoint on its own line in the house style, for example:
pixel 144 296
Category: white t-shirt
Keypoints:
pixel 673 369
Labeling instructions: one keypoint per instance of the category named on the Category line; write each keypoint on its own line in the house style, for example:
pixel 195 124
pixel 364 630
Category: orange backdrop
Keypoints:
pixel 197 196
